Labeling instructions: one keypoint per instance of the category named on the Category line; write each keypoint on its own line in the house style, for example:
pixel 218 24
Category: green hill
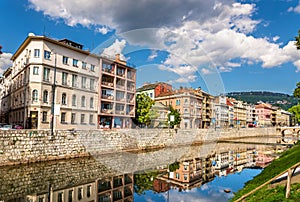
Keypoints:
pixel 281 100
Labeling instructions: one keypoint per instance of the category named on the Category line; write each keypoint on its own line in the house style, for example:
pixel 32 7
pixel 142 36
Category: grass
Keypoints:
pixel 275 194
pixel 287 159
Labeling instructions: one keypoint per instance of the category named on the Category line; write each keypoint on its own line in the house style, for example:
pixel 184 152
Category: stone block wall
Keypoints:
pixel 23 146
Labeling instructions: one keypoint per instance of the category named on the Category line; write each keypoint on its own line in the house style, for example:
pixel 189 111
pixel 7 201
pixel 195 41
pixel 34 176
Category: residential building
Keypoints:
pixel 221 111
pixel 251 116
pixel 116 94
pixel 86 94
pixel 155 89
pixel 264 112
pixel 206 109
pixel 239 112
pixel 230 113
pixel 188 102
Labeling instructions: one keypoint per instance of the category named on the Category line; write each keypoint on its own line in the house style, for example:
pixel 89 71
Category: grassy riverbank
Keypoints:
pixel 286 160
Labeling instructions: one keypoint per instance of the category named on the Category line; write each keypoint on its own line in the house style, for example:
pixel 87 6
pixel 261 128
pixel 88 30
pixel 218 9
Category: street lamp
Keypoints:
pixel 53 98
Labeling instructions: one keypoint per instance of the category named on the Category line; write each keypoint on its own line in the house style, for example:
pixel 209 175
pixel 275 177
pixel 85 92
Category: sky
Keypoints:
pixel 221 46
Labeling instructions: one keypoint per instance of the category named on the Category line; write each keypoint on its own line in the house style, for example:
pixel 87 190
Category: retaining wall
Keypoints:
pixel 23 146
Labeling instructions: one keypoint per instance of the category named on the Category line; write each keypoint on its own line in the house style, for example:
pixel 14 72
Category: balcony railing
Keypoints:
pixel 107 84
pixel 120 112
pixel 107 111
pixel 120 86
pixel 108 97
pixel 107 70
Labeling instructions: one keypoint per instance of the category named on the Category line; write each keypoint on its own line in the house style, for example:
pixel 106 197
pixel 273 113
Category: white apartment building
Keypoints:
pixel 221 111
pixel 43 68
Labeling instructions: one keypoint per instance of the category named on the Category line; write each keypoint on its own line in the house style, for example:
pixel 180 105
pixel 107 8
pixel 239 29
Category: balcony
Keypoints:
pixel 118 182
pixel 108 70
pixel 128 179
pixel 104 186
pixel 120 99
pixel 121 86
pixel 120 112
pixel 108 84
pixel 107 97
pixel 107 111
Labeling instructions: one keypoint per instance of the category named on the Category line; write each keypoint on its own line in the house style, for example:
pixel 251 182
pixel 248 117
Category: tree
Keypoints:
pixel 144 181
pixel 296 111
pixel 296 92
pixel 143 107
pixel 297 43
pixel 176 115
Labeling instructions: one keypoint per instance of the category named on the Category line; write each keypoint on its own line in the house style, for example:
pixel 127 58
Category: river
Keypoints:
pixel 208 172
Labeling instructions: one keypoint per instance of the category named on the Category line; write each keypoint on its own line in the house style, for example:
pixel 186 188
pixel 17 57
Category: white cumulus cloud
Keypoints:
pixel 5 61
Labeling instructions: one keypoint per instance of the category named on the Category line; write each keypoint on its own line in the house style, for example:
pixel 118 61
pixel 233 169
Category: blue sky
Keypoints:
pixel 220 46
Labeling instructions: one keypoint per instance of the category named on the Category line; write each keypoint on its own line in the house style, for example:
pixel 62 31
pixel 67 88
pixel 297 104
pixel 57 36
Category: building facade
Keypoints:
pixel 57 83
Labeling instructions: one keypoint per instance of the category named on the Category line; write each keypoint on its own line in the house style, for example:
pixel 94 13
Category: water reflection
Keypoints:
pixel 171 173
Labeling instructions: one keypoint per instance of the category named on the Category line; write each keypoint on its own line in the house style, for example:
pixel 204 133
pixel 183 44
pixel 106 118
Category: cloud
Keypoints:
pixel 295 9
pixel 195 33
pixel 153 55
pixel 5 61
pixel 103 30
pixel 116 48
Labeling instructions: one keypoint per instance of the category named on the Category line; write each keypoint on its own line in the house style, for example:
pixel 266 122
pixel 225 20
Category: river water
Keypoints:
pixel 208 172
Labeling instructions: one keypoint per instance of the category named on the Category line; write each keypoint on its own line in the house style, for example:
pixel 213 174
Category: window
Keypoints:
pixel 75 63
pixel 36 53
pixel 82 119
pixel 35 70
pixel 45 96
pixel 60 197
pixel 83 65
pixel 64 78
pixel 70 196
pixel 185 176
pixel 177 102
pixel 151 95
pixel 65 60
pixel 83 82
pixel 34 95
pixel 41 199
pixel 185 100
pixel 64 99
pixel 185 167
pixel 83 101
pixel 92 84
pixel 44 117
pixel 63 117
pixel 91 102
pixel 79 193
pixel 73 118
pixel 88 191
pixel 74 100
pixel 91 121
pixel 46 74
pixel 177 175
pixel 47 55
pixel 92 68
pixel 74 80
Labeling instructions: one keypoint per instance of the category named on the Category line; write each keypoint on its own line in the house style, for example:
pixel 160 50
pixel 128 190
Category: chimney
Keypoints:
pixel 118 59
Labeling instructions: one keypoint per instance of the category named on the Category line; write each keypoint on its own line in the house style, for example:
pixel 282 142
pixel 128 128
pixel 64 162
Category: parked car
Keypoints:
pixel 6 127
pixel 18 127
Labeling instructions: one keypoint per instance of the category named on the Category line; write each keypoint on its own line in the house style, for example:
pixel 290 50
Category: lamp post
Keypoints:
pixel 53 98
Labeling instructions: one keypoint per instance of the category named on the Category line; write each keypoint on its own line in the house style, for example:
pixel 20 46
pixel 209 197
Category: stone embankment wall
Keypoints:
pixel 23 146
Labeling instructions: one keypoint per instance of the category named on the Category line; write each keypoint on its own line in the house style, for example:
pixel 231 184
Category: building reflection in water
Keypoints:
pixel 116 188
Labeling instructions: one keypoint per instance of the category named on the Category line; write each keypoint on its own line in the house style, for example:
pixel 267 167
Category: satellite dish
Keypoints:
pixel 31 34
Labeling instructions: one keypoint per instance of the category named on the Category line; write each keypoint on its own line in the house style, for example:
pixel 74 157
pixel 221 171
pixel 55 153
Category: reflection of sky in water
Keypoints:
pixel 209 192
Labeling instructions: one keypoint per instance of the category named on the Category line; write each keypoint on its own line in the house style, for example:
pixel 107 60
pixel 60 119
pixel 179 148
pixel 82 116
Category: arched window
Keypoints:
pixel 35 95
pixel 74 100
pixel 45 96
pixel 64 99
pixel 91 102
pixel 83 101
